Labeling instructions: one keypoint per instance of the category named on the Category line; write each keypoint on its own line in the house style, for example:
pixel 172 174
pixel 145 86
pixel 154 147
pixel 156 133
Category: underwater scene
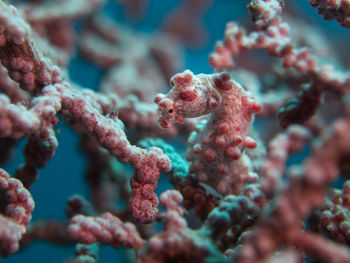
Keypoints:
pixel 164 131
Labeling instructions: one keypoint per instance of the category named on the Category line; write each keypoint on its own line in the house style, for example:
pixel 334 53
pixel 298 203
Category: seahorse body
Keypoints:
pixel 217 144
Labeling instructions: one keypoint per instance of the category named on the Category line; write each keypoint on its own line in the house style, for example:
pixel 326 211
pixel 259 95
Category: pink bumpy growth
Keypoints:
pixel 18 213
pixel 217 144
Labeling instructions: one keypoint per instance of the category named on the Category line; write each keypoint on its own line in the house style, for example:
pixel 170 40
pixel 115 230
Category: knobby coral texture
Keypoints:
pixel 246 161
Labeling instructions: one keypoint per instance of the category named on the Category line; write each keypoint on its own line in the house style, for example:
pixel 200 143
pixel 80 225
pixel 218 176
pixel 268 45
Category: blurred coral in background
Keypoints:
pixel 174 131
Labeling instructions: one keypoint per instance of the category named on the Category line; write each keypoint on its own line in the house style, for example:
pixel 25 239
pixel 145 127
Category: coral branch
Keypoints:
pixel 329 9
pixel 105 229
pixel 17 213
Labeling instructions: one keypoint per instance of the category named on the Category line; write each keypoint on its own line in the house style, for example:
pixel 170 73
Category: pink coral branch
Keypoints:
pixel 105 229
pixel 335 214
pixel 17 214
pixel 291 141
pixel 305 191
pixel 331 9
pixel 109 133
pixel 273 35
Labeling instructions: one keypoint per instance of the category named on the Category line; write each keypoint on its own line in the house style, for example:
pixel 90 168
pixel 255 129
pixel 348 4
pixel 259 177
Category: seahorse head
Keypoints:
pixel 186 99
